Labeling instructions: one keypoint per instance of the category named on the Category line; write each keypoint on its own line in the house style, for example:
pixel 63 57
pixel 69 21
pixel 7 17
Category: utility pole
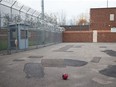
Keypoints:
pixel 107 3
pixel 42 7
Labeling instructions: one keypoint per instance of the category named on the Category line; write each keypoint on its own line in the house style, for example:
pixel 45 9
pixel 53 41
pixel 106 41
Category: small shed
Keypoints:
pixel 18 35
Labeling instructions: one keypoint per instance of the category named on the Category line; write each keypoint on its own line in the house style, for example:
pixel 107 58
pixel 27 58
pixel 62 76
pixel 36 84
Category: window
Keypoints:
pixel 111 17
pixel 23 34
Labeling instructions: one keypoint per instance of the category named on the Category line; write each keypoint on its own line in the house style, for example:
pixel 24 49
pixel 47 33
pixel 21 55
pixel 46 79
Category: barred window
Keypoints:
pixel 23 34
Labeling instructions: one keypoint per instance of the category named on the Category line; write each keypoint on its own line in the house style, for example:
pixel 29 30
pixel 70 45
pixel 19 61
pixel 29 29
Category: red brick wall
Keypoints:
pixel 87 36
pixel 100 18
pixel 76 27
pixel 3 34
pixel 106 36
pixel 77 36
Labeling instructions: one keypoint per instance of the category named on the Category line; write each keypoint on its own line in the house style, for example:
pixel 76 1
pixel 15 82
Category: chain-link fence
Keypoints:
pixel 22 28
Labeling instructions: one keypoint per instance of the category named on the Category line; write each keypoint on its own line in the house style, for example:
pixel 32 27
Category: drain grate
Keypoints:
pixel 110 52
pixel 74 63
pixel 110 71
pixel 96 59
pixel 18 60
pixel 35 57
pixel 34 70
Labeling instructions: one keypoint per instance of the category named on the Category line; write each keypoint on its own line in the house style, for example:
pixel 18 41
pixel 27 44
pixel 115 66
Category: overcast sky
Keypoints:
pixel 70 7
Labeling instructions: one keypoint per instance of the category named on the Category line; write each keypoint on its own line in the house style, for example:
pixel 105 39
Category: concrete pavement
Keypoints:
pixel 88 65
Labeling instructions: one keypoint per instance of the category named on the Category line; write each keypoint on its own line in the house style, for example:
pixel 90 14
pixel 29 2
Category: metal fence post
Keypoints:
pixel 11 8
pixel 9 44
pixel 37 34
pixel 0 13
pixel 17 36
pixel 0 17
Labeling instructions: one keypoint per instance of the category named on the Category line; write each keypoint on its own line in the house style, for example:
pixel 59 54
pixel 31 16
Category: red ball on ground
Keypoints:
pixel 65 76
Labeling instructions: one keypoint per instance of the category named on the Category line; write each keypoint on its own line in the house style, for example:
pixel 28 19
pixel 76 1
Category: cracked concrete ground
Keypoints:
pixel 87 64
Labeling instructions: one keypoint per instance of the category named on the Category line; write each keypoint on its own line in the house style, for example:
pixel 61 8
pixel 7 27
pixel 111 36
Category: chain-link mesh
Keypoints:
pixel 21 23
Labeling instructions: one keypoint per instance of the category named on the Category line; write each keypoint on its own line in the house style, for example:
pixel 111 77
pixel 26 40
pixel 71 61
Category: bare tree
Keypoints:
pixel 83 19
pixel 53 18
pixel 61 18
pixel 7 19
pixel 17 18
pixel 73 20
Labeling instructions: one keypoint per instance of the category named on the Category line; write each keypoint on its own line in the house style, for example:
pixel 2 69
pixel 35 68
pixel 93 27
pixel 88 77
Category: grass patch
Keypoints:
pixel 32 43
pixel 3 45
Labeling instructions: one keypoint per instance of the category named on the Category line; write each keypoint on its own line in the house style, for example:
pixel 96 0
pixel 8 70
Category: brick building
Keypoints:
pixel 102 18
pixel 99 30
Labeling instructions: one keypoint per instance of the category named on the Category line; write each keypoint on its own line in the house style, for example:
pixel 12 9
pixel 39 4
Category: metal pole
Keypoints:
pixel 17 37
pixel 37 34
pixel 11 8
pixel 42 6
pixel 20 10
pixel 107 3
pixel 9 41
pixel 26 28
pixel 33 12
pixel 35 26
pixel 0 15
pixel 0 19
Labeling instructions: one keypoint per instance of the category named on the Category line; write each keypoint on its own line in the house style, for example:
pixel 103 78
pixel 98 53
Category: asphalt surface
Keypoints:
pixel 87 64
